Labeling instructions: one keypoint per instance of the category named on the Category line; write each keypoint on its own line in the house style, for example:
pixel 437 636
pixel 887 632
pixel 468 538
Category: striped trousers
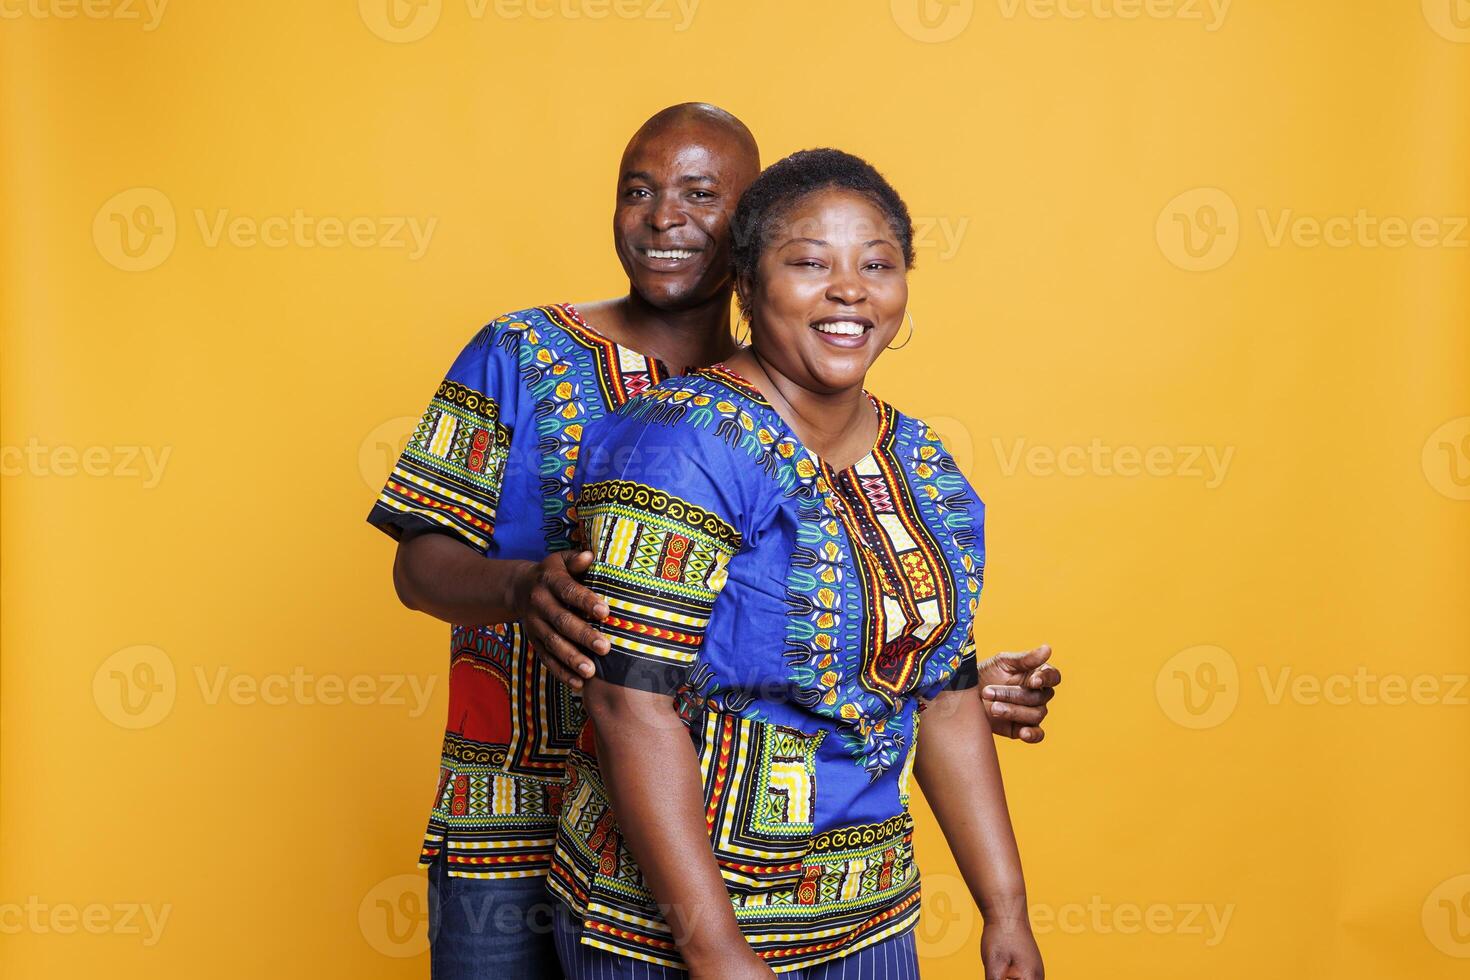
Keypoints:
pixel 895 958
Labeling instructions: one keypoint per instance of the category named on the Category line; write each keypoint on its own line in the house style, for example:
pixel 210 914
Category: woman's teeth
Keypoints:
pixel 842 327
pixel 669 253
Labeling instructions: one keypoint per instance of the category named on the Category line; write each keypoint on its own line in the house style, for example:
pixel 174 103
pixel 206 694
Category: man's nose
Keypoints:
pixel 666 213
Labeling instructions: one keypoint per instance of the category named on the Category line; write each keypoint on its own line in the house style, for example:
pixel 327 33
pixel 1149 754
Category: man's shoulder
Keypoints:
pixel 532 324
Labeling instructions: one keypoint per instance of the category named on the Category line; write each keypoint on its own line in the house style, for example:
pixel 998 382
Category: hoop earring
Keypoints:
pixel 740 340
pixel 909 337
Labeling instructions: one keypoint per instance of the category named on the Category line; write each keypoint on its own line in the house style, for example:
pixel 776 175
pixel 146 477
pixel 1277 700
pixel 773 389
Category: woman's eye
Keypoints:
pixel 702 195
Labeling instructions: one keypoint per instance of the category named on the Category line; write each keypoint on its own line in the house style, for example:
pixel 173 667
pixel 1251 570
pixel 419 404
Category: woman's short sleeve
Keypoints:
pixel 659 507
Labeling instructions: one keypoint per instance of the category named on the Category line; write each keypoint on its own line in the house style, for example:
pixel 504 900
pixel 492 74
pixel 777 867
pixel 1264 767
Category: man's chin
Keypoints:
pixel 672 295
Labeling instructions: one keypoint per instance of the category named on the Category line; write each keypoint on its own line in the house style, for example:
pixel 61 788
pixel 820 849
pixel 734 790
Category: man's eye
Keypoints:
pixel 702 195
pixel 636 192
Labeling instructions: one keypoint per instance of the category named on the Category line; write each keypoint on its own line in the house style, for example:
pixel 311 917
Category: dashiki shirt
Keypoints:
pixel 491 464
pixel 800 616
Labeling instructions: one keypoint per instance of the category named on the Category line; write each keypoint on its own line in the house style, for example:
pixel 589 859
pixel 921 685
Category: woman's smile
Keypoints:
pixel 844 331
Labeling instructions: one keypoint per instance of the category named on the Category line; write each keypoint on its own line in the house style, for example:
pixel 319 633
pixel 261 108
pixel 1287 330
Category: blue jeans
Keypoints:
pixel 489 928
pixel 895 958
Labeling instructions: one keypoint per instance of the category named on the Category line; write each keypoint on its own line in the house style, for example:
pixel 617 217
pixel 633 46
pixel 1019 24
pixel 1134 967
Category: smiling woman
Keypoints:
pixel 792 569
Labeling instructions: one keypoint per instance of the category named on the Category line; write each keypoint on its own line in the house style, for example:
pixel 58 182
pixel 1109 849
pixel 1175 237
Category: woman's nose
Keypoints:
pixel 846 288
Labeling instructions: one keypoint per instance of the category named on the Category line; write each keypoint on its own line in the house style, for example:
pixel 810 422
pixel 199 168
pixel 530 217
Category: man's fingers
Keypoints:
pixel 1033 658
pixel 575 595
pixel 1031 735
pixel 576 561
pixel 1016 694
pixel 1045 676
pixel 558 671
pixel 578 633
pixel 554 648
pixel 547 606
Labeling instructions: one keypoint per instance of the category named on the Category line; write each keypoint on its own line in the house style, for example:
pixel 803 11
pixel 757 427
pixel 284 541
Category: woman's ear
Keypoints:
pixel 744 291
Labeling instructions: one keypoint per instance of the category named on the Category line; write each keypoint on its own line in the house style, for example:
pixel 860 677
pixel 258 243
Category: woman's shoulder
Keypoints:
pixel 723 424
pixel 928 457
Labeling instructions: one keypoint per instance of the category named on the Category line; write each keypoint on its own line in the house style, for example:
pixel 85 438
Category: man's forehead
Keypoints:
pixel 707 147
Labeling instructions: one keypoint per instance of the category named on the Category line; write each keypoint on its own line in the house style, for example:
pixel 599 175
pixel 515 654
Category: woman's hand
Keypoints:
pixel 1008 951
pixel 554 607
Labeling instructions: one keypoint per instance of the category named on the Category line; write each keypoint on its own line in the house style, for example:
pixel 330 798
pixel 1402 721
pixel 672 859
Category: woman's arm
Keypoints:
pixel 651 773
pixel 959 772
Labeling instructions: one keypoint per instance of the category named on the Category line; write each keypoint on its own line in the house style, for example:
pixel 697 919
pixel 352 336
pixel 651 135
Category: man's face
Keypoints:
pixel 677 190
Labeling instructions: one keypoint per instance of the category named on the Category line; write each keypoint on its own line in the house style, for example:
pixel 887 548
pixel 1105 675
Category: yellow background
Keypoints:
pixel 1328 835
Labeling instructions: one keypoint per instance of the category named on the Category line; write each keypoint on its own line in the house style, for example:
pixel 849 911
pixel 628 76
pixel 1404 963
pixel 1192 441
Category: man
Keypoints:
pixel 480 504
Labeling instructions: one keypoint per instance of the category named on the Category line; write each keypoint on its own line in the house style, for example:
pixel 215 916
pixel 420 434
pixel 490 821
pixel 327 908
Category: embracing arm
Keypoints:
pixel 446 578
pixel 651 773
pixel 959 772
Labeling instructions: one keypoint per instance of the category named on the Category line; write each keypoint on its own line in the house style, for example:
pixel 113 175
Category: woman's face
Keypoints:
pixel 830 291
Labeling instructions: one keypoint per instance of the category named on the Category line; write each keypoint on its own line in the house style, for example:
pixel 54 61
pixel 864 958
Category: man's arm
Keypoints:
pixel 446 578
pixel 959 772
pixel 651 773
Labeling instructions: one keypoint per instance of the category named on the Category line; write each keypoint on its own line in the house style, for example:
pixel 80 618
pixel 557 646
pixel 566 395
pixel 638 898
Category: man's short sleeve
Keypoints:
pixel 662 522
pixel 448 479
pixel 967 674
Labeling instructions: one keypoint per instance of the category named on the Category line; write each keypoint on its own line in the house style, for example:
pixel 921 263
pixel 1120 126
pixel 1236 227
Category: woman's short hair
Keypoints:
pixel 785 182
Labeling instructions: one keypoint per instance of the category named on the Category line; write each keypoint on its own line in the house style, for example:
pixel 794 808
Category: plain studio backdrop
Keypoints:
pixel 1192 300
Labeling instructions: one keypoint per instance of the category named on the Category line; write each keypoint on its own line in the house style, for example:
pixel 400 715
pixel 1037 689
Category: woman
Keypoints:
pixel 792 568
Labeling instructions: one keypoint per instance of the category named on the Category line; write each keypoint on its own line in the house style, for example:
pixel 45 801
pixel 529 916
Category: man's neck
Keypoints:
pixel 693 337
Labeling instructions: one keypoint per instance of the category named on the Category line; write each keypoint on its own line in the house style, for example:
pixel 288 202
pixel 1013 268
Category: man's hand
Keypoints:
pixel 1017 688
pixel 554 607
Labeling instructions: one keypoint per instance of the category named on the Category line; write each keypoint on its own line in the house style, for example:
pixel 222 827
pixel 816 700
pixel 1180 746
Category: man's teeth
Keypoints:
pixel 844 327
pixel 669 253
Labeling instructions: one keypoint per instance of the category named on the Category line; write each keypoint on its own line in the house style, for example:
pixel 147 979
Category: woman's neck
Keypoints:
pixel 839 426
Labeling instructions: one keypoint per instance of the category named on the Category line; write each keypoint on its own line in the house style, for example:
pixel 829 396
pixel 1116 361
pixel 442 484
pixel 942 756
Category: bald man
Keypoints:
pixel 480 504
